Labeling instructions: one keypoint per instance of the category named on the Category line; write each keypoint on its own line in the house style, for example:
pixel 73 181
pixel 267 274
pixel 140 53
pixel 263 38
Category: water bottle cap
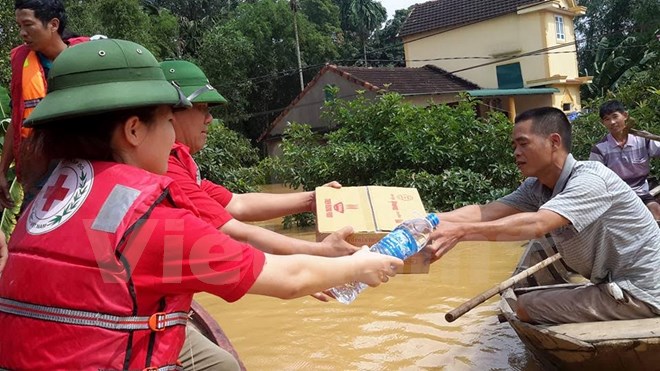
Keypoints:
pixel 433 219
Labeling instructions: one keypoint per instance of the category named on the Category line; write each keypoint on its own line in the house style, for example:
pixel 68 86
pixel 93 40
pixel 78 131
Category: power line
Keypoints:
pixel 542 51
pixel 292 71
pixel 526 54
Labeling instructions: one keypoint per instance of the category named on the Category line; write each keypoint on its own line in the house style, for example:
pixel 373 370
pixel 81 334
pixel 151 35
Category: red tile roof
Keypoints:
pixel 405 81
pixel 441 14
pixel 427 80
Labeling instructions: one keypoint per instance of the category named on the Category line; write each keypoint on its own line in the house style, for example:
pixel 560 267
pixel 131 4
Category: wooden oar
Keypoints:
pixel 470 304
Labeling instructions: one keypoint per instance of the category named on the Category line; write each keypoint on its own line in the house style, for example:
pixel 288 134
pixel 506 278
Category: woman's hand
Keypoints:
pixel 375 268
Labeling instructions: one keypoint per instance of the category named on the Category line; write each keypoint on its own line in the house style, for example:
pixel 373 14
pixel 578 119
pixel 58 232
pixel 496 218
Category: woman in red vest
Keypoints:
pixel 104 262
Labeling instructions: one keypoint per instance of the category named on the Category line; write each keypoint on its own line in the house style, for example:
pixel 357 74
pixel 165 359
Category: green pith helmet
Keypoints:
pixel 192 81
pixel 102 76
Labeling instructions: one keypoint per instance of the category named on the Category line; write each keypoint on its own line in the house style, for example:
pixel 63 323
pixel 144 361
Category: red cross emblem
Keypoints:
pixel 55 193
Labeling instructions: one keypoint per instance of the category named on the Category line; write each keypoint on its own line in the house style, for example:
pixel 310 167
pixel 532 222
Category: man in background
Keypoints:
pixel 626 154
pixel 42 25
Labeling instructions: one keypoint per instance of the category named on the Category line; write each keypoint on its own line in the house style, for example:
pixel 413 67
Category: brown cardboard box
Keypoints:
pixel 373 211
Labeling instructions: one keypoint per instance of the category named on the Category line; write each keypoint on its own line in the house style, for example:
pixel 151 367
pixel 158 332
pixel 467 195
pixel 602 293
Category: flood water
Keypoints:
pixel 399 325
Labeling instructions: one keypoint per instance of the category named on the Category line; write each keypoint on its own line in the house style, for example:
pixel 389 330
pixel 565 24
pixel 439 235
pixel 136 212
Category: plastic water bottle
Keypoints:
pixel 403 242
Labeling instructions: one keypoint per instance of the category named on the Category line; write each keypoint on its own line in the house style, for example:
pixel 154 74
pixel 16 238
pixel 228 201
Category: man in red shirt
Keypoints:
pixel 225 210
pixel 217 205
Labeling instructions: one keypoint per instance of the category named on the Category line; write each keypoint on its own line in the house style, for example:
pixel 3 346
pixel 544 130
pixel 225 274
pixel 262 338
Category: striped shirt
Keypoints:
pixel 630 161
pixel 612 236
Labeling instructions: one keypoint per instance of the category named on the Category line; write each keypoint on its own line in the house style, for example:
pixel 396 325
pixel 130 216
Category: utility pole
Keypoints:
pixel 294 7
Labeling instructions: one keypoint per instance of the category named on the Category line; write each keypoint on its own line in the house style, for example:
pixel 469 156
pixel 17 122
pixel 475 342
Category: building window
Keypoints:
pixel 566 106
pixel 509 76
pixel 559 26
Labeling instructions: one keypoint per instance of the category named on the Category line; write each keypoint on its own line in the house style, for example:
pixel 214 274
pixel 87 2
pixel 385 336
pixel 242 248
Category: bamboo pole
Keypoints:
pixel 644 134
pixel 472 303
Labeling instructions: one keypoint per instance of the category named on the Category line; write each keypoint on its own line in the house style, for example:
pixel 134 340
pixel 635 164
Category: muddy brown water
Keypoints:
pixel 396 326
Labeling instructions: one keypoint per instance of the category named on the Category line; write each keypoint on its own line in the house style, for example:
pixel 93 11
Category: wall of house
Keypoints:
pixel 308 109
pixel 495 38
pixel 525 102
pixel 568 93
pixel 425 100
pixel 559 62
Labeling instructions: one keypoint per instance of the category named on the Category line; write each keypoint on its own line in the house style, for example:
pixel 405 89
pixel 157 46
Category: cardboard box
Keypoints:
pixel 372 211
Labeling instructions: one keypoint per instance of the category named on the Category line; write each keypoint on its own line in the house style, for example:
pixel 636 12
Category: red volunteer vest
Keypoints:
pixel 19 56
pixel 67 300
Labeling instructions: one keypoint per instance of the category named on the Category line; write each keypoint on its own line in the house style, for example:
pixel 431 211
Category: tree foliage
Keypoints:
pixel 452 157
pixel 126 19
pixel 8 39
pixel 616 41
pixel 361 18
pixel 386 47
pixel 194 18
pixel 229 159
pixel 251 59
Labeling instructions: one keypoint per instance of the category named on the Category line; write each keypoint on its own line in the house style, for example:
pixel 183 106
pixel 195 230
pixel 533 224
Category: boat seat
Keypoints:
pixel 610 330
pixel 655 191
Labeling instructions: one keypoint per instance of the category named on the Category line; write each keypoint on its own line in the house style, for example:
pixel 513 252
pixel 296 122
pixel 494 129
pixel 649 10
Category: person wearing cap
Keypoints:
pixel 42 25
pixel 104 262
pixel 223 209
pixel 216 204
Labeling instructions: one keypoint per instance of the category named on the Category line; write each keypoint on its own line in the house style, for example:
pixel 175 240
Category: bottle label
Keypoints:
pixel 399 243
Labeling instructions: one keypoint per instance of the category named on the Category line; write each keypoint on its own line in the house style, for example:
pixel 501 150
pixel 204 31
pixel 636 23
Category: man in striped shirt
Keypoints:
pixel 601 228
pixel 627 155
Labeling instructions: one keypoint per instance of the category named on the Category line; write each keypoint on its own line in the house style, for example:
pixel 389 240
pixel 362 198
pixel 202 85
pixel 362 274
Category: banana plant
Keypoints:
pixel 10 216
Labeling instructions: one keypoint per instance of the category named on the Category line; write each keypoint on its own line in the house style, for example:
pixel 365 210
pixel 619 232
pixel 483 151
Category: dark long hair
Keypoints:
pixel 86 137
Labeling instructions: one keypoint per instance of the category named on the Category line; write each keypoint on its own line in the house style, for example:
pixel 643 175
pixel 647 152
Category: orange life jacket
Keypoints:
pixel 28 86
pixel 34 87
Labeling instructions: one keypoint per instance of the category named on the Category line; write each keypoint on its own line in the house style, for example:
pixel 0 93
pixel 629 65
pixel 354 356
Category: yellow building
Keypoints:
pixel 522 53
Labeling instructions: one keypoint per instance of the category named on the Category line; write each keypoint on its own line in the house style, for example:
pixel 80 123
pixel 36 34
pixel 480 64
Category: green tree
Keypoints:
pixel 192 21
pixel 615 37
pixel 251 59
pixel 230 160
pixel 386 45
pixel 126 19
pixel 448 154
pixel 362 17
pixel 8 39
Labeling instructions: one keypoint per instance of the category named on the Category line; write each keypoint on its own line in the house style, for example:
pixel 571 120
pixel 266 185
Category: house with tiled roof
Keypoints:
pixel 521 52
pixel 422 85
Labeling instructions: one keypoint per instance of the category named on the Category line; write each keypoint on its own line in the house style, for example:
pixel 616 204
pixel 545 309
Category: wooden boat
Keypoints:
pixel 208 326
pixel 608 345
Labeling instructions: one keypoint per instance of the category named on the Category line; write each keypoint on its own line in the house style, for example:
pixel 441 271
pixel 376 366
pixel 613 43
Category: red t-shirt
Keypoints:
pixel 209 199
pixel 175 252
